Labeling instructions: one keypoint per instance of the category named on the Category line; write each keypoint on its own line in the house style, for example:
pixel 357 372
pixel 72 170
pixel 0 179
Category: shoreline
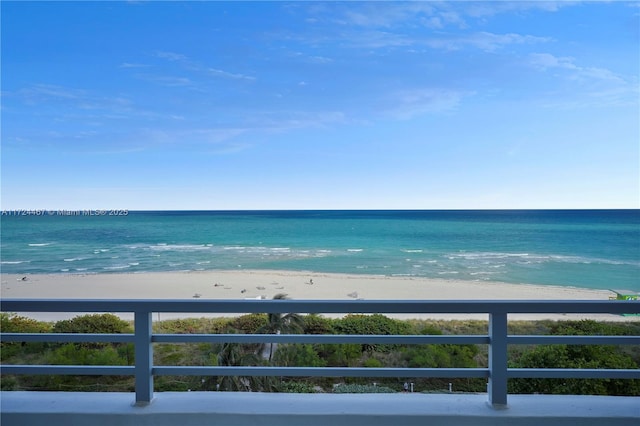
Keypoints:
pixel 264 284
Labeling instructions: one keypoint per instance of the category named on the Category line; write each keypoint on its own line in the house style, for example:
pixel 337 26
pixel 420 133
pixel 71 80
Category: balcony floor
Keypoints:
pixel 240 409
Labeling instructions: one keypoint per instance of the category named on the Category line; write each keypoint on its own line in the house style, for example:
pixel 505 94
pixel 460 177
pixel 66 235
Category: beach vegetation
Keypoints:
pixel 12 323
pixel 192 325
pixel 372 324
pixel 317 324
pixel 579 356
pixel 340 355
pixel 250 323
pixel 96 323
pixel 354 388
pixel 320 355
pixel 297 387
pixel 298 355
pixel 279 323
pixel 372 362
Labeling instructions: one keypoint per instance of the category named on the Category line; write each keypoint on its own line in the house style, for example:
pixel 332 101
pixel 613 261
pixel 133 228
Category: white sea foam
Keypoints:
pixel 111 268
pixel 355 250
pixel 14 262
pixel 39 244
pixel 73 259
pixel 178 247
pixel 412 250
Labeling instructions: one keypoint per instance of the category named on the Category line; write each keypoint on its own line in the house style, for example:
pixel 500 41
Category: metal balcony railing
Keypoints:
pixel 497 373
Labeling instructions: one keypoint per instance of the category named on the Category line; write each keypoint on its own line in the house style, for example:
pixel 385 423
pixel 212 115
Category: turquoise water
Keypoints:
pixel 584 248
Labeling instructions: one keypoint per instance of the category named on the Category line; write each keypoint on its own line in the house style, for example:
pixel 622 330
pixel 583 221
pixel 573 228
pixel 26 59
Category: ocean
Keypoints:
pixel 597 249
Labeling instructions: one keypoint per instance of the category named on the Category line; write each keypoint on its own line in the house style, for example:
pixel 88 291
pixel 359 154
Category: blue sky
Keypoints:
pixel 320 105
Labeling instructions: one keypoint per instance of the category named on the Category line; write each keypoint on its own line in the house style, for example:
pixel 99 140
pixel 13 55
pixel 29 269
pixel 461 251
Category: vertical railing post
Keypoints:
pixel 144 357
pixel 498 360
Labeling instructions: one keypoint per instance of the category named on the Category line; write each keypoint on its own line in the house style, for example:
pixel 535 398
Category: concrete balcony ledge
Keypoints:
pixel 240 409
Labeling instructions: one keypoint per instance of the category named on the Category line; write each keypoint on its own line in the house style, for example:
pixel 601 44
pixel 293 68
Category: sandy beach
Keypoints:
pixel 244 284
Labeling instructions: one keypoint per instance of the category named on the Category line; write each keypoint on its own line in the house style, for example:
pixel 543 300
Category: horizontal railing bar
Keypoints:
pixel 572 340
pixel 320 372
pixel 573 373
pixel 319 338
pixel 75 370
pixel 67 337
pixel 323 306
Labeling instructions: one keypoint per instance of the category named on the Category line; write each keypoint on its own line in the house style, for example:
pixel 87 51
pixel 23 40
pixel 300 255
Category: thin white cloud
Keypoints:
pixel 486 41
pixel 171 56
pixel 408 104
pixel 428 14
pixel 599 86
pixel 43 92
pixel 282 121
pixel 546 61
pixel 378 39
pixel 482 9
pixel 190 65
pixel 225 74
pixel 318 59
pixel 167 81
pixel 132 65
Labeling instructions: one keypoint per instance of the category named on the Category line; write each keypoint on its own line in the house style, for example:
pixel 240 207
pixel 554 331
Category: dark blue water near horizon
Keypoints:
pixel 582 248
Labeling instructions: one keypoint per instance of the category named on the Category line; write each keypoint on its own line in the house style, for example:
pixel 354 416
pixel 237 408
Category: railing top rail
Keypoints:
pixel 321 306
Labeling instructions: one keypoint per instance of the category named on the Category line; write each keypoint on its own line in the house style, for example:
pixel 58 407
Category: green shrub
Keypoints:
pixel 192 325
pixel 70 354
pixel 344 388
pixel 296 387
pixel 250 323
pixel 12 323
pixel 298 355
pixel 316 324
pixel 372 363
pixel 96 323
pixel 340 355
pixel 372 324
pixel 578 356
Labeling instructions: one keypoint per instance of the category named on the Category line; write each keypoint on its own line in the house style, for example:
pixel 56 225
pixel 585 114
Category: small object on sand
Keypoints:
pixel 197 295
pixel 227 288
pixel 217 285
pixel 23 279
pixel 354 294
pixel 260 288
pixel 244 290
pixel 279 288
